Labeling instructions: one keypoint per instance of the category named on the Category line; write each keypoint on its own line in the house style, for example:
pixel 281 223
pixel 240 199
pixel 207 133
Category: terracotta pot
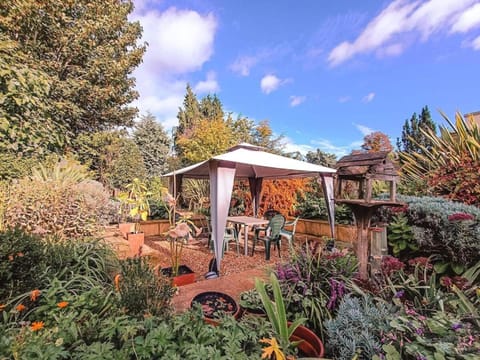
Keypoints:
pixel 125 228
pixel 310 345
pixel 135 241
pixel 185 275
pixel 212 301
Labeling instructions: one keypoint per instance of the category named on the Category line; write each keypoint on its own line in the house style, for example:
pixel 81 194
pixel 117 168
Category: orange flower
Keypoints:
pixel 10 257
pixel 273 351
pixel 20 307
pixel 20 254
pixel 35 294
pixel 62 304
pixel 2 307
pixel 37 325
pixel 117 282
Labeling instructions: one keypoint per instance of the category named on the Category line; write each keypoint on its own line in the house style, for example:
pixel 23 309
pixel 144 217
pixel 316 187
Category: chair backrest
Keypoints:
pixel 275 225
pixel 294 224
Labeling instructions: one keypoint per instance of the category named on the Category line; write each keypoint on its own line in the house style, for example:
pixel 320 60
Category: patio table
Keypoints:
pixel 246 221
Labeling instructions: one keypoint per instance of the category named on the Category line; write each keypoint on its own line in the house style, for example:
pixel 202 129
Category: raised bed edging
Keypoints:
pixel 345 233
pixel 318 228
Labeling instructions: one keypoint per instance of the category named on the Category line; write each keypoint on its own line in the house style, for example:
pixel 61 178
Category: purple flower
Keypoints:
pixel 399 294
pixel 419 331
pixel 457 326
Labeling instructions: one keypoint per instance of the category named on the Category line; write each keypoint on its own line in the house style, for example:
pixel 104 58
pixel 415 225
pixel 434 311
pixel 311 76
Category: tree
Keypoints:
pixel 207 139
pixel 25 125
pixel 154 144
pixel 413 136
pixel 321 158
pixel 262 135
pixel 188 117
pixel 211 108
pixel 376 141
pixel 115 159
pixel 87 51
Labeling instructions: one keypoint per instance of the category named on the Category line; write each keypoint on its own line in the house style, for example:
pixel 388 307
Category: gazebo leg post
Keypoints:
pixel 267 250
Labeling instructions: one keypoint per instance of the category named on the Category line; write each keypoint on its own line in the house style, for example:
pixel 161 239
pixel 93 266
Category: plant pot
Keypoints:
pixel 213 303
pixel 125 228
pixel 135 241
pixel 310 345
pixel 185 275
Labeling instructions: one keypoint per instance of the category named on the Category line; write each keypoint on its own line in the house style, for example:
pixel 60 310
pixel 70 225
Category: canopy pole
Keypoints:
pixel 328 193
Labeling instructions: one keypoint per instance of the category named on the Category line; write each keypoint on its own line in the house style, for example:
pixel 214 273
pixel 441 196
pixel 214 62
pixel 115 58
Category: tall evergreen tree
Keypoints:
pixel 413 138
pixel 154 144
pixel 211 108
pixel 87 51
pixel 188 116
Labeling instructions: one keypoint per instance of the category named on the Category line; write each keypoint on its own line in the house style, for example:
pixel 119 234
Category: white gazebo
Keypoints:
pixel 253 163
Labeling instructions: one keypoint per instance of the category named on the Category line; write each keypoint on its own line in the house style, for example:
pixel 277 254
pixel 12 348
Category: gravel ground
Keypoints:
pixel 197 256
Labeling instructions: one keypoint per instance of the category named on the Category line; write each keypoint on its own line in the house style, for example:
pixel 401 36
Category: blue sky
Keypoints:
pixel 324 73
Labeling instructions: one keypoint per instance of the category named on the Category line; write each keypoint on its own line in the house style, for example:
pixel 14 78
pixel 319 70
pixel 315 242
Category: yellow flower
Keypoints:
pixel 37 325
pixel 20 307
pixel 35 294
pixel 62 304
pixel 273 351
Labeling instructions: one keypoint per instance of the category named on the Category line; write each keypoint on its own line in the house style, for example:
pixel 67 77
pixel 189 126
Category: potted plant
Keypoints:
pixel 137 199
pixel 216 304
pixel 251 303
pixel 178 236
pixel 290 334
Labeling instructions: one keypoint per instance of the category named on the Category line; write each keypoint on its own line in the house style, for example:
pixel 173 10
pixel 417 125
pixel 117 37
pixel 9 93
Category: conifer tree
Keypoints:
pixel 154 144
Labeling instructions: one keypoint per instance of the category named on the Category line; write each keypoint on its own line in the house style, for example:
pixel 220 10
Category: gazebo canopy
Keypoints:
pixel 253 163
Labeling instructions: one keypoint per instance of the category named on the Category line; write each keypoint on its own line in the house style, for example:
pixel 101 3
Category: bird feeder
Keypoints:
pixel 356 175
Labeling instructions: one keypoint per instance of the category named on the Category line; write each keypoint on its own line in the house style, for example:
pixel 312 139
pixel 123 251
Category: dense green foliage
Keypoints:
pixel 154 145
pixel 413 138
pixel 320 157
pixel 85 51
pixel 113 157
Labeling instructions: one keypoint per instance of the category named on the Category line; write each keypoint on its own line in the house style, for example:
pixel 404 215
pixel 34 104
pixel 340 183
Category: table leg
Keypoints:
pixel 245 228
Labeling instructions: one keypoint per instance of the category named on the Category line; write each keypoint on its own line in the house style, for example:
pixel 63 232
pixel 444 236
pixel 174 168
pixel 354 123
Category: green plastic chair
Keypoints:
pixel 289 234
pixel 272 236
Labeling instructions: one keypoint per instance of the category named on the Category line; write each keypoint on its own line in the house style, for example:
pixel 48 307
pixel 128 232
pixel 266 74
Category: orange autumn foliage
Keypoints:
pixel 281 195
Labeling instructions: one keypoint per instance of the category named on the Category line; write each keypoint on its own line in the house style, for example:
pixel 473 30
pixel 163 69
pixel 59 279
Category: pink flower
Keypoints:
pixel 460 217
pixel 182 230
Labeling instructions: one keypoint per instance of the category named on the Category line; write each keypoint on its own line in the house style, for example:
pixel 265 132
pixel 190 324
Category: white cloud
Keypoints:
pixel 291 147
pixel 243 64
pixel 338 150
pixel 271 83
pixel 210 85
pixel 365 130
pixel 476 43
pixel 467 21
pixel 402 17
pixel 297 100
pixel 179 42
pixel 369 97
pixel 344 99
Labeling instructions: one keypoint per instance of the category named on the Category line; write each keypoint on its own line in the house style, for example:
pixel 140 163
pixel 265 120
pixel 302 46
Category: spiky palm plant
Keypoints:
pixel 457 146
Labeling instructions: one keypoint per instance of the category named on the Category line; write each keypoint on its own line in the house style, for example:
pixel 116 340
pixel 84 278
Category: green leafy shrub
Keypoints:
pixel 21 265
pixel 313 207
pixel 436 231
pixel 357 328
pixel 141 290
pixel 400 235
pixel 57 204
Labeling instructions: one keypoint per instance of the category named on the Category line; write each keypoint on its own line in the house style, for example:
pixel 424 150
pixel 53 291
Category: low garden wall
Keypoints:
pixel 318 228
pixel 345 233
